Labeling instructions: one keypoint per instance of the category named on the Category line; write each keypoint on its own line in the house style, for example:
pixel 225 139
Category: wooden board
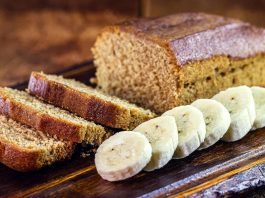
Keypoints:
pixel 78 177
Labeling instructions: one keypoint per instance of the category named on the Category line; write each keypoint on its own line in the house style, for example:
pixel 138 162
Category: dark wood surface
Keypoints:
pixel 222 170
pixel 249 183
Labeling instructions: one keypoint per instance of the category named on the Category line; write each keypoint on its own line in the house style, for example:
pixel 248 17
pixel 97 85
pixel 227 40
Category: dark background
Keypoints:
pixel 50 35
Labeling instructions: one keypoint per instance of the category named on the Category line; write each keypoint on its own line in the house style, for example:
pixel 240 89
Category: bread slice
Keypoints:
pixel 164 62
pixel 25 149
pixel 22 107
pixel 87 102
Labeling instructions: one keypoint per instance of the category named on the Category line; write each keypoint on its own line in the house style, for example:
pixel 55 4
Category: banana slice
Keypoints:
pixel 162 133
pixel 123 155
pixel 240 104
pixel 191 129
pixel 217 120
pixel 259 99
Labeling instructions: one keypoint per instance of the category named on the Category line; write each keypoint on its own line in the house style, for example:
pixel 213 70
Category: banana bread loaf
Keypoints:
pixel 164 62
pixel 24 108
pixel 25 149
pixel 87 102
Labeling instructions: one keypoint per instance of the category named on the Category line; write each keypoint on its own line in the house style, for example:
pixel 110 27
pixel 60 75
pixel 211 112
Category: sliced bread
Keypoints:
pixel 25 149
pixel 87 102
pixel 22 107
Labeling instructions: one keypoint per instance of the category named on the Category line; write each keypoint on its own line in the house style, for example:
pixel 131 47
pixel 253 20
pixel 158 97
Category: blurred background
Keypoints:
pixel 51 35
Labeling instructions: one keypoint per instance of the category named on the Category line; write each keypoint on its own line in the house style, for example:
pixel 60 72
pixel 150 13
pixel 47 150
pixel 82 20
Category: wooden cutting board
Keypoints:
pixel 78 176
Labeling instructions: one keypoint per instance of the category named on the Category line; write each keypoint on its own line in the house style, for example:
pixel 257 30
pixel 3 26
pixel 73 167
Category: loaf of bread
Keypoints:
pixel 22 107
pixel 87 102
pixel 164 62
pixel 25 149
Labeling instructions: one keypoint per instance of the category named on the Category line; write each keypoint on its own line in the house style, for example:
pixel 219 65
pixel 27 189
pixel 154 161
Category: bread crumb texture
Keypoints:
pixel 87 102
pixel 165 62
pixel 28 110
pixel 25 149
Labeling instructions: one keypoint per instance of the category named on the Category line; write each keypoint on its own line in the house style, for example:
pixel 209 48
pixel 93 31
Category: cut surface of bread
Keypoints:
pixel 87 102
pixel 25 149
pixel 160 63
pixel 24 108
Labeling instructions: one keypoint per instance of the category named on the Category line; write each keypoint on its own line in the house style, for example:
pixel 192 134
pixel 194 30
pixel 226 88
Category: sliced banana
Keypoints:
pixel 217 120
pixel 191 129
pixel 259 99
pixel 123 155
pixel 240 104
pixel 162 133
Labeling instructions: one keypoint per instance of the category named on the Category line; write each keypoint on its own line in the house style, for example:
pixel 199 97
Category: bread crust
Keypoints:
pixel 25 160
pixel 19 159
pixel 89 107
pixel 39 121
pixel 197 36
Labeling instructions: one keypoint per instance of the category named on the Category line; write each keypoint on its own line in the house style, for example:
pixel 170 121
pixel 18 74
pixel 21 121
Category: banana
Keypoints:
pixel 240 104
pixel 259 99
pixel 191 129
pixel 123 155
pixel 217 120
pixel 162 134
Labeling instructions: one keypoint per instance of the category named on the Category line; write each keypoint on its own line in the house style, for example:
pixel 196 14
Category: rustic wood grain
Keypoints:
pixel 224 169
pixel 47 40
pixel 51 35
pixel 241 183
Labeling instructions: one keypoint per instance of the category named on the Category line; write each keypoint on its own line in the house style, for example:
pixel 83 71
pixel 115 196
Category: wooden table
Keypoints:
pixel 225 169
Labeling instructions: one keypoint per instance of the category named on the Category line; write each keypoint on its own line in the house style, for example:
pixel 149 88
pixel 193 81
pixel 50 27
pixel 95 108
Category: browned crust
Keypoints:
pixel 39 121
pixel 19 159
pixel 25 160
pixel 192 37
pixel 89 107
